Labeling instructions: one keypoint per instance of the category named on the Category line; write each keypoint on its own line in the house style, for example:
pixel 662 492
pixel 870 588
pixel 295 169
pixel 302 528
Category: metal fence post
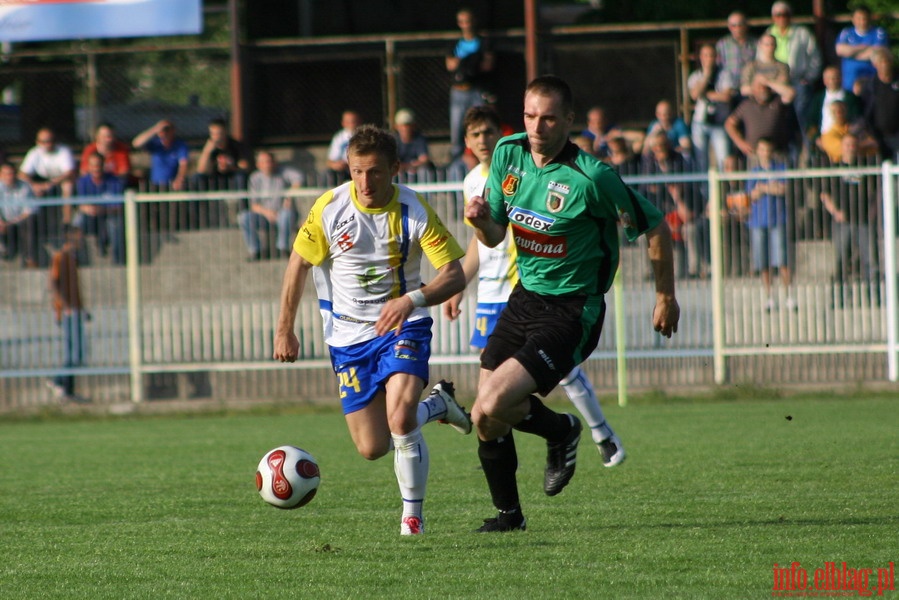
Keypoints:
pixel 889 250
pixel 132 275
pixel 715 241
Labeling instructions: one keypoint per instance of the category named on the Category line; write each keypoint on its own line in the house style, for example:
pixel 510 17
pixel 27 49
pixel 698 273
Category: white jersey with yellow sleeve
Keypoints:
pixel 365 257
pixel 497 273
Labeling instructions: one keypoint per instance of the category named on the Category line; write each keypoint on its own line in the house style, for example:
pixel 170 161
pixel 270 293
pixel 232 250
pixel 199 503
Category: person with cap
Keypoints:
pixel 412 146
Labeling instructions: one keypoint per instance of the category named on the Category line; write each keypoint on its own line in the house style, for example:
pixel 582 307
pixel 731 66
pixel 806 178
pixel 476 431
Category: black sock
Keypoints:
pixel 544 422
pixel 500 461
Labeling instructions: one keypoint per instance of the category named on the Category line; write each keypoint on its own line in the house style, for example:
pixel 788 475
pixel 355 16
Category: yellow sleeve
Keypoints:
pixel 438 243
pixel 312 242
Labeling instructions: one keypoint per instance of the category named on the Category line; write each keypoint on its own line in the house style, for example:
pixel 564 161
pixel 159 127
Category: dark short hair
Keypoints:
pixel 481 114
pixel 370 139
pixel 547 85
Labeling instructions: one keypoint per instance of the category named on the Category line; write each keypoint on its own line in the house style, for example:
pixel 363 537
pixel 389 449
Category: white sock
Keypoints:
pixel 431 409
pixel 580 392
pixel 410 463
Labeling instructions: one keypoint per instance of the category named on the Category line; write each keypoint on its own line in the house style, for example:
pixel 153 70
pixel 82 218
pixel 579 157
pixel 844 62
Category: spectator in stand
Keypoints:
pixel 797 47
pixel 222 160
pixel 101 218
pixel 671 125
pixel 116 153
pixel 621 157
pixel 737 49
pixel 68 305
pixel 881 100
pixel 680 202
pixel 18 218
pixel 469 62
pixel 49 168
pixel 852 200
pixel 855 46
pixel 411 145
pixel 769 222
pixel 735 237
pixel 169 155
pixel 831 142
pixel 337 159
pixel 819 117
pixel 764 64
pixel 269 209
pixel 713 92
pixel 764 114
pixel 599 131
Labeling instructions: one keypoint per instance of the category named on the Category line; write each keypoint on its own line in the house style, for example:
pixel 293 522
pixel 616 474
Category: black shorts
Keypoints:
pixel 548 335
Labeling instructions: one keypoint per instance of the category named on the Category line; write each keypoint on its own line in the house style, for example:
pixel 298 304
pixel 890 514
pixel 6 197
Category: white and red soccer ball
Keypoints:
pixel 287 477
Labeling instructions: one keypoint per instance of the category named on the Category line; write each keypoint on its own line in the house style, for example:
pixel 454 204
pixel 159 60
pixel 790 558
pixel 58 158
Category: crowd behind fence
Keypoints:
pixel 189 315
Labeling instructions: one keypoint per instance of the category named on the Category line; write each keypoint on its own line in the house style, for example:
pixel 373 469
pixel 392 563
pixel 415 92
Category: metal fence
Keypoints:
pixel 189 316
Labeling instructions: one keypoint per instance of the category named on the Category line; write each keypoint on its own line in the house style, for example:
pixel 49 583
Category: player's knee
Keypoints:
pixel 371 449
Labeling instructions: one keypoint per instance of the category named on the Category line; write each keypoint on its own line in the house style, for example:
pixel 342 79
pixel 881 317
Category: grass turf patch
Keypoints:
pixel 711 496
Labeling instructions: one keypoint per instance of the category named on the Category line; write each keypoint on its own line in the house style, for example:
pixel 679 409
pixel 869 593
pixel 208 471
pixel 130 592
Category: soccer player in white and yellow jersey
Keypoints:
pixel 366 239
pixel 498 275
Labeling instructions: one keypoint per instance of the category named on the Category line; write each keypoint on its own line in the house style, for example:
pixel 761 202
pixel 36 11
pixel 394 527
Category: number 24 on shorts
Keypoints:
pixel 347 380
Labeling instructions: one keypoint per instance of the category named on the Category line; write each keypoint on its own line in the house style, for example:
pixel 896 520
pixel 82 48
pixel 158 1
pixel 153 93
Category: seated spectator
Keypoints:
pixel 712 91
pixel 169 155
pixel 881 100
pixel 766 113
pixel 765 65
pixel 831 142
pixel 819 116
pixel 411 144
pixel 671 125
pixel 852 201
pixel 621 157
pixel 116 153
pixel 855 46
pixel 49 168
pixel 103 219
pixel 599 131
pixel 269 209
pixel 337 160
pixel 18 218
pixel 222 162
pixel 769 221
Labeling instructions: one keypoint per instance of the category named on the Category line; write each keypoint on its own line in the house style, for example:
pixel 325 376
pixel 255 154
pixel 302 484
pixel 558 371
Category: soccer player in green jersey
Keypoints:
pixel 564 208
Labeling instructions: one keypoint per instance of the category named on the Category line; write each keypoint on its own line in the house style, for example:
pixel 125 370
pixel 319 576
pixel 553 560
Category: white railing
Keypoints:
pixel 186 301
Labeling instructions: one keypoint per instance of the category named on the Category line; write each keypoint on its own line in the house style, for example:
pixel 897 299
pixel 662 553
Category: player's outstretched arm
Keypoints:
pixel 661 256
pixel 477 211
pixel 287 346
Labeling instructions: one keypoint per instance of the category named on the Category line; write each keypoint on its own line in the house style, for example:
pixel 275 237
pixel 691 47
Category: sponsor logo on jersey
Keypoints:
pixel 539 244
pixel 340 225
pixel 307 234
pixel 531 219
pixel 368 280
pixel 558 187
pixel 510 184
pixel 555 202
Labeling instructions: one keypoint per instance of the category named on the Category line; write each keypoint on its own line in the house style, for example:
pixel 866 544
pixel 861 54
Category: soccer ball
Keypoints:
pixel 287 477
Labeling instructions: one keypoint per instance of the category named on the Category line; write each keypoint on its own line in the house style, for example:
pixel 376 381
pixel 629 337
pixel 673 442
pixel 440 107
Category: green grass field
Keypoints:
pixel 712 495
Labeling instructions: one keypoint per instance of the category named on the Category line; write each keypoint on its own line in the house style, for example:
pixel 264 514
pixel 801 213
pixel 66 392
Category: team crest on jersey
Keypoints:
pixel 555 202
pixel 510 184
pixel 345 242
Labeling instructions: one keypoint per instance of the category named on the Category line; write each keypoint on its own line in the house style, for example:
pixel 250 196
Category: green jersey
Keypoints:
pixel 564 216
